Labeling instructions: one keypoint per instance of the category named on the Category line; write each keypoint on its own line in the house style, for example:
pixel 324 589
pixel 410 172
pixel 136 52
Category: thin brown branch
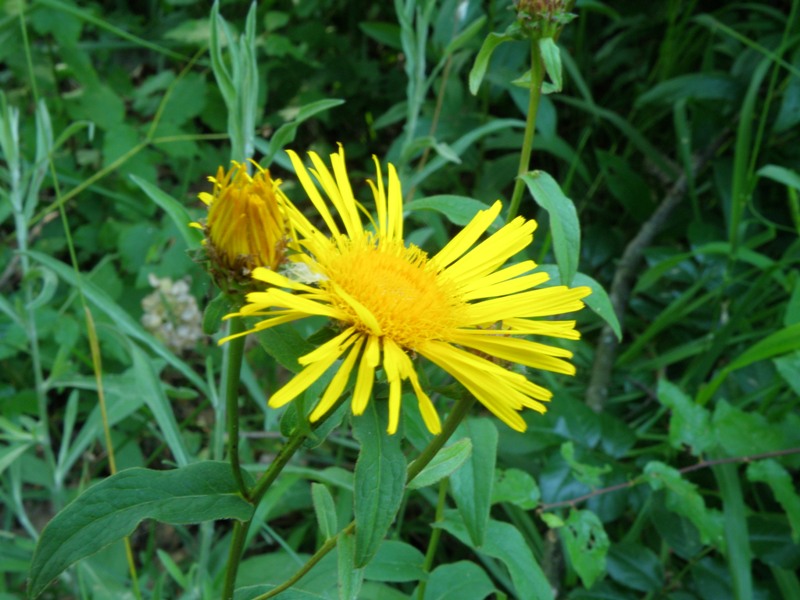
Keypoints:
pixel 625 276
pixel 704 464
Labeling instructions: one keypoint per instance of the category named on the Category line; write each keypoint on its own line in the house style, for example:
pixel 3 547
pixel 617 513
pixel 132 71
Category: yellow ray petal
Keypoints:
pixel 300 382
pixel 505 288
pixel 394 366
pixel 339 192
pixel 261 325
pixel 372 353
pixel 395 207
pixel 523 352
pixel 273 278
pixel 364 382
pixel 349 209
pixel 426 408
pixel 363 313
pixel 280 299
pixel 339 381
pixel 544 302
pixel 496 395
pixel 493 252
pixel 559 329
pixel 500 276
pixel 395 391
pixel 380 199
pixel 313 193
pixel 335 345
pixel 465 238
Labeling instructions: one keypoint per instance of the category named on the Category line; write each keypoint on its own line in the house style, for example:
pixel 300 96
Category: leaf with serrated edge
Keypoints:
pixel 779 480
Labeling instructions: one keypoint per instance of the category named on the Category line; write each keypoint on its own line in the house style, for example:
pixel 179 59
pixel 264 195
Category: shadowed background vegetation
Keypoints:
pixel 664 469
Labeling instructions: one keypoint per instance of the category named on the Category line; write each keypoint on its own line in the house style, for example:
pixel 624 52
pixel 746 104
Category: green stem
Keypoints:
pixel 234 367
pixel 255 496
pixel 453 420
pixel 433 543
pixel 318 556
pixel 455 417
pixel 537 77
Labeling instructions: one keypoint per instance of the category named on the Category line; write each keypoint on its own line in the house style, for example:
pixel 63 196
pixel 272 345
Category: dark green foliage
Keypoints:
pixel 669 472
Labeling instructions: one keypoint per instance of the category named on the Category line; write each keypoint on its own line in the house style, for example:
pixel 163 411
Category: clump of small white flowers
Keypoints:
pixel 171 314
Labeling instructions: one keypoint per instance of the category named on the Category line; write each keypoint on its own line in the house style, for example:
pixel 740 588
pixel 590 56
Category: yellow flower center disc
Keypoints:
pixel 408 299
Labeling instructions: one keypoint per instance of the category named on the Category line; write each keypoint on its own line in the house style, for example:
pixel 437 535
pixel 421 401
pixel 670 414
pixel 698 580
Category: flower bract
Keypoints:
pixel 245 227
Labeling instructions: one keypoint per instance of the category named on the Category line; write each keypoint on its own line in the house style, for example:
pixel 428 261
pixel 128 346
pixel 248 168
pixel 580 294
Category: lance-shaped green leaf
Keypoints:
pixel 459 210
pixel 472 484
pixel 505 543
pixel 446 462
pixel 459 580
pixel 780 481
pixel 379 481
pixel 192 237
pixel 350 578
pixel 111 510
pixel 781 342
pixel 551 57
pixel 564 224
pixel 517 487
pixel 325 509
pixel 478 71
pixel 285 134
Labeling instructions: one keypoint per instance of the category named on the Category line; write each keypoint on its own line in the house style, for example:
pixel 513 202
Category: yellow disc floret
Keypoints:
pixel 405 300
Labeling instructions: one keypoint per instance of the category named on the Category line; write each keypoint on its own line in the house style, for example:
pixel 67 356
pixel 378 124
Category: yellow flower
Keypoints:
pixel 460 309
pixel 245 227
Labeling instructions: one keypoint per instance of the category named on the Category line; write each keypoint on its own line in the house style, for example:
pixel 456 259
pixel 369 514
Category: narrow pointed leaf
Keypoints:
pixel 476 75
pixel 174 209
pixel 564 226
pixel 444 464
pixel 380 477
pixel 472 484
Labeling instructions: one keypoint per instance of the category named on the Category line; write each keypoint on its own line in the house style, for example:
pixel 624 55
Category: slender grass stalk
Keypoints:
pixel 94 344
pixel 103 24
pixel 433 543
pixel 535 94
pixel 97 364
pixel 21 224
pixel 97 367
pixel 318 556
